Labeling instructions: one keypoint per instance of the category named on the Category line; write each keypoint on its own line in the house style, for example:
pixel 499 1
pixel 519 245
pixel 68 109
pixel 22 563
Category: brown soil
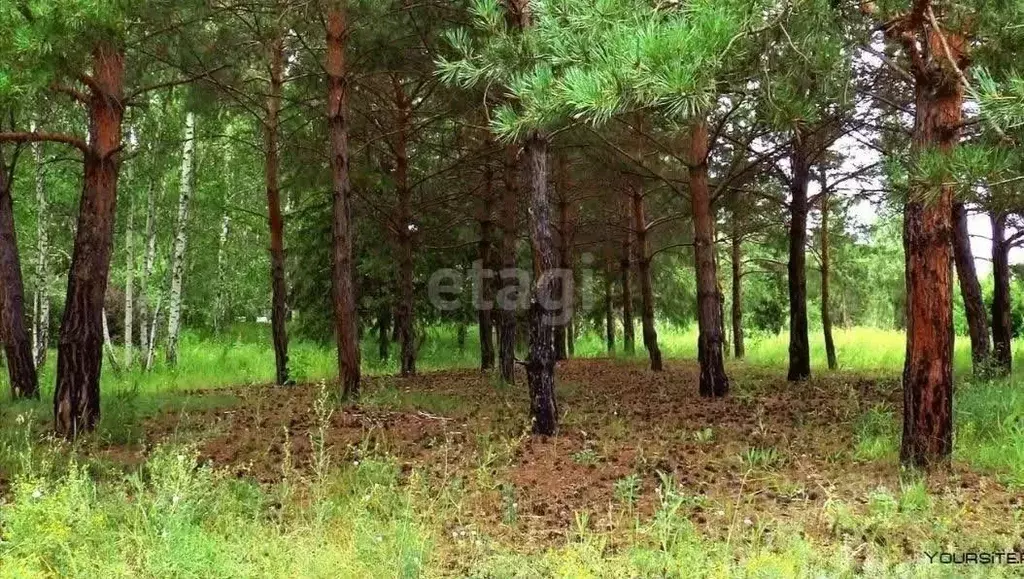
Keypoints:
pixel 618 420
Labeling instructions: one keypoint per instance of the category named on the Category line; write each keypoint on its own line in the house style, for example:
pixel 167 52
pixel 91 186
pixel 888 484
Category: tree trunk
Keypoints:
pixel 129 285
pixel 405 234
pixel 180 239
pixel 540 363
pixel 799 344
pixel 643 263
pixel 485 310
pixel 279 289
pixel 383 333
pixel 1002 327
pixel 564 259
pixel 509 292
pixel 826 314
pixel 148 261
pixel 713 380
pixel 41 301
pixel 21 366
pixel 342 228
pixel 739 349
pixel 76 402
pixel 970 289
pixel 625 264
pixel 221 306
pixel 927 235
pixel 609 309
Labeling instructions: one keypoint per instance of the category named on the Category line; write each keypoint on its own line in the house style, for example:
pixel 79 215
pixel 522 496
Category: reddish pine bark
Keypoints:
pixel 1002 326
pixel 970 289
pixel 17 344
pixel 540 363
pixel 342 229
pixel 826 310
pixel 713 380
pixel 739 349
pixel 76 400
pixel 278 284
pixel 643 268
pixel 927 243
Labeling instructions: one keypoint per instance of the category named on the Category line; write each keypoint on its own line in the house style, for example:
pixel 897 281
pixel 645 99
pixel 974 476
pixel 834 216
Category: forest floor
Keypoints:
pixel 816 458
pixel 438 475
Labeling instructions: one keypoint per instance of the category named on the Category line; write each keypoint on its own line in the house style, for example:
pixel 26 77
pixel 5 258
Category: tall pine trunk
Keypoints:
pixel 279 286
pixel 76 401
pixel 1002 327
pixel 563 289
pixel 713 380
pixel 180 239
pixel 540 363
pixel 625 273
pixel 41 301
pixel 799 344
pixel 342 230
pixel 21 367
pixel 739 348
pixel 826 268
pixel 405 234
pixel 927 232
pixel 643 270
pixel 509 293
pixel 970 289
pixel 485 218
pixel 609 308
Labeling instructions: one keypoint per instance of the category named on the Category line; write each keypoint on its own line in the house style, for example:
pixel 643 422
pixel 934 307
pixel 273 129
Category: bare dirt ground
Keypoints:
pixel 622 429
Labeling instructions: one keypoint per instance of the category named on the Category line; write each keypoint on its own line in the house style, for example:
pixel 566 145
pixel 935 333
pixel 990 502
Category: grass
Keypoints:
pixel 67 512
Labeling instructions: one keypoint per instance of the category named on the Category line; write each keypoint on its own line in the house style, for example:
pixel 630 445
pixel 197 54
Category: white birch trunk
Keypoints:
pixel 221 305
pixel 129 284
pixel 148 261
pixel 178 254
pixel 41 299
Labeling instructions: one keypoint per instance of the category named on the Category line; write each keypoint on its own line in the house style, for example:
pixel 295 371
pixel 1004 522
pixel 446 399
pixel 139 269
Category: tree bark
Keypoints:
pixel 180 239
pixel 643 267
pixel 342 228
pixel 609 308
pixel 713 380
pixel 970 289
pixel 41 301
pixel 1002 326
pixel 129 285
pixel 405 233
pixel 826 267
pixel 540 363
pixel 76 402
pixel 221 306
pixel 509 229
pixel 279 288
pixel 739 349
pixel 564 259
pixel 799 343
pixel 625 264
pixel 21 366
pixel 485 218
pixel 927 242
pixel 384 333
